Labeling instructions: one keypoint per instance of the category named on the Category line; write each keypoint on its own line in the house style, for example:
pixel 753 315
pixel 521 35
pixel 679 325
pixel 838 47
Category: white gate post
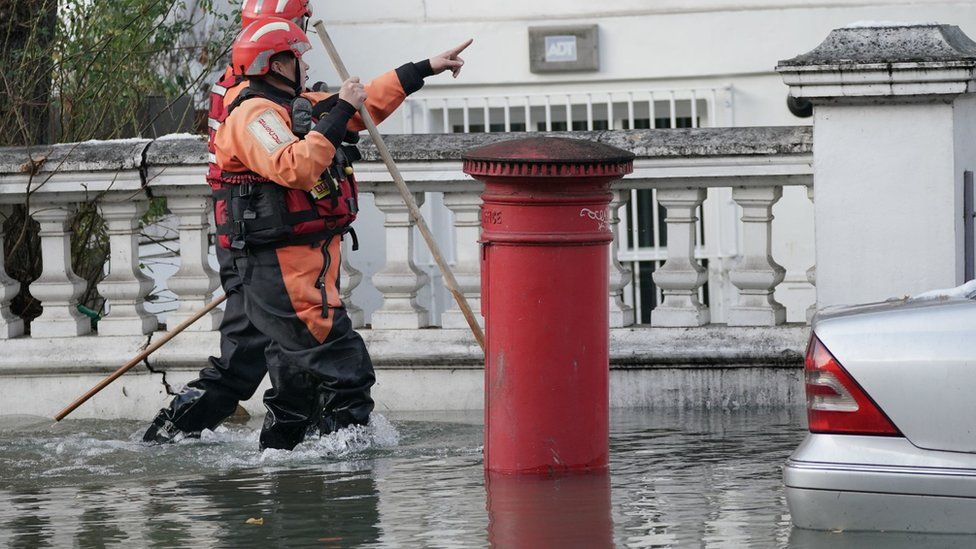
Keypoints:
pixel 894 134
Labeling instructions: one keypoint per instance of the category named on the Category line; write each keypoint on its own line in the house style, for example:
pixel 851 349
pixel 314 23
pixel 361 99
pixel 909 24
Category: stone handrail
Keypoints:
pixel 121 175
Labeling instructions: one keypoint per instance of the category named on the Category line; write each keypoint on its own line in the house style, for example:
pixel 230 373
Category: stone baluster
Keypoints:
pixel 466 207
pixel 756 275
pixel 681 275
pixel 811 273
pixel 349 280
pixel 125 287
pixel 58 288
pixel 400 278
pixel 10 324
pixel 195 281
pixel 621 314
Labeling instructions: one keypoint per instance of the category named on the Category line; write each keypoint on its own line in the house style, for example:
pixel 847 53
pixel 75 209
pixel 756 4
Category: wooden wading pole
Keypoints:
pixel 139 358
pixel 401 186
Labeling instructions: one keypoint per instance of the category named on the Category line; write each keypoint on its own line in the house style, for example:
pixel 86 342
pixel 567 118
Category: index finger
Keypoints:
pixel 462 47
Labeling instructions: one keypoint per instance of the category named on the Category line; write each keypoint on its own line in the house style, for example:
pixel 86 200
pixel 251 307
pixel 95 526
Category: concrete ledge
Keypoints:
pixel 177 151
pixel 881 44
pixel 714 345
pixel 709 367
pixel 139 394
pixel 859 64
pixel 669 143
pixel 60 356
pixel 432 349
pixel 87 156
pixel 180 150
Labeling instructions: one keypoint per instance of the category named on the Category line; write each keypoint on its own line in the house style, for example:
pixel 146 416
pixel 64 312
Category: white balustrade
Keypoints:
pixel 756 275
pixel 466 207
pixel 681 275
pixel 11 325
pixel 125 287
pixel 58 288
pixel 680 187
pixel 621 314
pixel 400 279
pixel 195 281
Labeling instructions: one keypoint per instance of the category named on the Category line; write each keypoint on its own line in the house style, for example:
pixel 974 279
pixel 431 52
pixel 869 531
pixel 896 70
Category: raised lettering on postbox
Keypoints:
pixel 491 217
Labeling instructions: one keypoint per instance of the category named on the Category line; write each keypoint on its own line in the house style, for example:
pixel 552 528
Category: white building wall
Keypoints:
pixel 643 44
pixel 636 43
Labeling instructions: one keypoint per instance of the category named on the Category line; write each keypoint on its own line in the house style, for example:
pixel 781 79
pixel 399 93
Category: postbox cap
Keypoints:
pixel 548 157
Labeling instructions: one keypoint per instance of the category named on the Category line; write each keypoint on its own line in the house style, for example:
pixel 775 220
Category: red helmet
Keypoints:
pixel 254 46
pixel 293 10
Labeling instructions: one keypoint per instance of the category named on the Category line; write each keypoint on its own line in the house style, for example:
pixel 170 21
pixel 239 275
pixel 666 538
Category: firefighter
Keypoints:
pixel 235 375
pixel 288 197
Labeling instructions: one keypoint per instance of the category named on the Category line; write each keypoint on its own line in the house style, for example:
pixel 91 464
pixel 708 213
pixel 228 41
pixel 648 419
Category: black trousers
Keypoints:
pixel 320 370
pixel 232 377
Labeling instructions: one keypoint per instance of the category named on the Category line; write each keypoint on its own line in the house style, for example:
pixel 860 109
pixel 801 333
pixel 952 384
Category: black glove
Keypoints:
pixel 323 107
pixel 412 75
pixel 332 124
pixel 321 110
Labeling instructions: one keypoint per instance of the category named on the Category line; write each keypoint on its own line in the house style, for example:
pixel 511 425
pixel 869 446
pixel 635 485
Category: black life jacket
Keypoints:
pixel 254 212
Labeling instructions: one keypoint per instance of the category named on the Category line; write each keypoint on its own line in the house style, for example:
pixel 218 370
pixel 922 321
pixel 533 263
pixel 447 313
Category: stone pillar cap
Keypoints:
pixel 884 60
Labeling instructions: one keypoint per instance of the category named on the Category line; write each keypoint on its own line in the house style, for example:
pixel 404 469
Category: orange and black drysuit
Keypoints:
pixel 283 202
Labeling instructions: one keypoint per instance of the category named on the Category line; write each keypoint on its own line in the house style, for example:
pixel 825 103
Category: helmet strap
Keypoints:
pixel 293 84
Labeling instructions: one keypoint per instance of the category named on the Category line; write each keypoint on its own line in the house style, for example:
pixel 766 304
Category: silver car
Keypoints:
pixel 891 401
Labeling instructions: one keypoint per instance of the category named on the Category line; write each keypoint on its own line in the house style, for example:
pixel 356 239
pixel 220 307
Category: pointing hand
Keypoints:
pixel 449 60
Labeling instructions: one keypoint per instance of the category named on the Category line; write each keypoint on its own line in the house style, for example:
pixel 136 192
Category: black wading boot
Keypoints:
pixel 338 419
pixel 190 412
pixel 283 433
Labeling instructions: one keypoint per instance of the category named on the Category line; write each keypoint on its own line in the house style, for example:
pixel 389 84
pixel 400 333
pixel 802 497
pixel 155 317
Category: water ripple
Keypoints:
pixel 678 479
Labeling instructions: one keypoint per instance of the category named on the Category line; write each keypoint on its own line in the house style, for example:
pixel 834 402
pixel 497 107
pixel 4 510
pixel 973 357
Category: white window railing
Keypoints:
pixel 570 110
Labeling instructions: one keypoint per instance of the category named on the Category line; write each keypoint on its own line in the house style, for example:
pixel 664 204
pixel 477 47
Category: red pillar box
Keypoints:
pixel 545 286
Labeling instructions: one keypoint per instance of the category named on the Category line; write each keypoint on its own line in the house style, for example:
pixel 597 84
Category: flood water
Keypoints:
pixel 678 479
